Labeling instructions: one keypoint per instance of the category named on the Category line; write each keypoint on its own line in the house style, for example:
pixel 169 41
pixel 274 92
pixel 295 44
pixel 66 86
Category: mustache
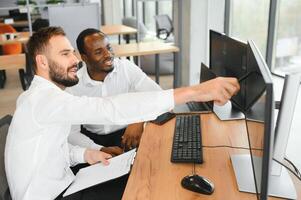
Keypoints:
pixel 74 66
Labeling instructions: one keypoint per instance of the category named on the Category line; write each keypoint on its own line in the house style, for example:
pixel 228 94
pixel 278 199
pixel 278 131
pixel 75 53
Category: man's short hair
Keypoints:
pixel 38 42
pixel 80 41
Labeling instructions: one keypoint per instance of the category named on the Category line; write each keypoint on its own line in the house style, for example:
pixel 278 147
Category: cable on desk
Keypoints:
pixel 293 165
pixel 193 169
pixel 289 169
pixel 227 146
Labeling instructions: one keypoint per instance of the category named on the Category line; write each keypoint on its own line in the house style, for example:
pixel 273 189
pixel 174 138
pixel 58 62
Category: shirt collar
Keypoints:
pixel 39 80
pixel 87 79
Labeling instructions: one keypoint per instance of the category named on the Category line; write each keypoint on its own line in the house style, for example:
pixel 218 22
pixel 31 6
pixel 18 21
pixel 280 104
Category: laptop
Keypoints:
pixel 197 107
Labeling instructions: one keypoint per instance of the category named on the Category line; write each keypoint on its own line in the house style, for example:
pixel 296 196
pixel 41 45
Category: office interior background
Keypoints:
pixel 274 25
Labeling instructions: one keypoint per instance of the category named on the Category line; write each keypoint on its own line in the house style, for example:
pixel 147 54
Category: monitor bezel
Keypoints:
pixel 269 122
pixel 233 39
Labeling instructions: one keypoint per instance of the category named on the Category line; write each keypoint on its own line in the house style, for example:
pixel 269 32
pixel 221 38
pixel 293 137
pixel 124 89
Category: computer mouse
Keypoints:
pixel 198 184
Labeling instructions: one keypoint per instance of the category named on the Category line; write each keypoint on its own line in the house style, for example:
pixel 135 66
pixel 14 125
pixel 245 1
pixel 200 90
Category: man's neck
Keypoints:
pixel 96 76
pixel 45 76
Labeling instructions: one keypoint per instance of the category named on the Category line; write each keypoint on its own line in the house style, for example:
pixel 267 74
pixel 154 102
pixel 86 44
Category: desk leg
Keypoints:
pixel 176 77
pixel 2 78
pixel 157 67
pixel 127 38
pixel 119 39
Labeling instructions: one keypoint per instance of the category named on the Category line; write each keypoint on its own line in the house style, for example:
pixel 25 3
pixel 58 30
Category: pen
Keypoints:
pixel 247 75
pixel 244 76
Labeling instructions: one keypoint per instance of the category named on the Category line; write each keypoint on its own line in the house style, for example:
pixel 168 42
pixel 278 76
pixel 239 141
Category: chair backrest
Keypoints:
pixel 4 125
pixel 27 75
pixel 10 48
pixel 132 22
pixel 40 23
pixel 163 26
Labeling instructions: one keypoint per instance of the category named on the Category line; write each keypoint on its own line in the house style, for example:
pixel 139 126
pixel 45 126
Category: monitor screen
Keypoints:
pixel 228 59
pixel 260 134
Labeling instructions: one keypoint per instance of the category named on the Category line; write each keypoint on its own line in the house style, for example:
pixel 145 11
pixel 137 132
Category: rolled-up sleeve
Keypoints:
pixel 76 154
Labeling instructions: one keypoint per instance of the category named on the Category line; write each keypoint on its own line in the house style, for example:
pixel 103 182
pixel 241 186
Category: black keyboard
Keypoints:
pixel 187 140
pixel 197 106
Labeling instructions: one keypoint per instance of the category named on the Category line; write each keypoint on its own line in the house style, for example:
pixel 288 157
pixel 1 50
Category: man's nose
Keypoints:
pixel 75 58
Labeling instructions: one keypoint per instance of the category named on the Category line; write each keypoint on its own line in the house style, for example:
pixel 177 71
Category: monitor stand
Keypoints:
pixel 256 113
pixel 279 186
pixel 227 112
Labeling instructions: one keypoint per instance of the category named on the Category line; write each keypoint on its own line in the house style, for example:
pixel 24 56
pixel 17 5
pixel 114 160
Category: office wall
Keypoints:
pixel 198 16
pixel 6 3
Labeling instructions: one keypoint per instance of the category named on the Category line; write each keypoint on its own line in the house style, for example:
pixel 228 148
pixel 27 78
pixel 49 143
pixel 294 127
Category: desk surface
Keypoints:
pixel 117 29
pixel 153 176
pixel 143 48
pixel 16 61
pixel 22 37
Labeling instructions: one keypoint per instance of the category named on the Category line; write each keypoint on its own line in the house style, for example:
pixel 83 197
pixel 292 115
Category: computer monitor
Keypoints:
pixel 228 59
pixel 252 170
pixel 282 131
pixel 17 15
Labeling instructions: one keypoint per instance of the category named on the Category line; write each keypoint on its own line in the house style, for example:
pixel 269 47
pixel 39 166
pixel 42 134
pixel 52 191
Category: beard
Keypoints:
pixel 59 76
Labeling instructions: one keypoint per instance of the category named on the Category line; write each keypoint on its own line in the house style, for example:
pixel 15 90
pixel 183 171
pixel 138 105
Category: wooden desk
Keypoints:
pixel 16 61
pixel 149 48
pixel 153 176
pixel 22 37
pixel 20 23
pixel 118 30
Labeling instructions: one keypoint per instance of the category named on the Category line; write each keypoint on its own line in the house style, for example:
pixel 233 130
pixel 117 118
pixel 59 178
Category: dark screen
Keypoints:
pixel 228 59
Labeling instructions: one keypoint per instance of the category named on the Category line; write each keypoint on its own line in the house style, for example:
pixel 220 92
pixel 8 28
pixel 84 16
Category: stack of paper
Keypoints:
pixel 99 173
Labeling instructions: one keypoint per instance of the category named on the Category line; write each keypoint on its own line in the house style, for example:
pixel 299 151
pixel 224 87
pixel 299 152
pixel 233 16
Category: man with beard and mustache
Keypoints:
pixel 37 153
pixel 103 75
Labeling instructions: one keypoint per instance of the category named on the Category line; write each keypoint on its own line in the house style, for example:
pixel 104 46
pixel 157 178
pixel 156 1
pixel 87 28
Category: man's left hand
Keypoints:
pixel 132 135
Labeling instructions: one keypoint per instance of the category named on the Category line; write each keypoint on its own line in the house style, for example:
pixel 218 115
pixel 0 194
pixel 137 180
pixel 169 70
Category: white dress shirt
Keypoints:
pixel 37 154
pixel 126 77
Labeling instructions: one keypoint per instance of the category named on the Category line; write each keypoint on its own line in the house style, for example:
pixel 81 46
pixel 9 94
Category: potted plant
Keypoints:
pixel 55 1
pixel 23 2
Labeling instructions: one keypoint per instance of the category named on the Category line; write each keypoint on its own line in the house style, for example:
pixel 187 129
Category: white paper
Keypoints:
pixel 99 173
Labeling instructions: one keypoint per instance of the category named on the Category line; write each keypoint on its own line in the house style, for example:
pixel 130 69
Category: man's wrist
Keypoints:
pixel 183 95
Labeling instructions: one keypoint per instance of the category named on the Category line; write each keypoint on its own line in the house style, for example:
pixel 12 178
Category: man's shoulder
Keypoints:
pixel 126 66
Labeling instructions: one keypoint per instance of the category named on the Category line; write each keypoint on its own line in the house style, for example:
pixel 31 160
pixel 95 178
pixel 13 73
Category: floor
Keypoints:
pixel 12 89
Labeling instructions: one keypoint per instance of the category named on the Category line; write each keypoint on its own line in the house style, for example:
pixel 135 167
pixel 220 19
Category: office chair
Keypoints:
pixel 4 125
pixel 39 23
pixel 148 62
pixel 26 75
pixel 164 26
pixel 8 49
pixel 132 22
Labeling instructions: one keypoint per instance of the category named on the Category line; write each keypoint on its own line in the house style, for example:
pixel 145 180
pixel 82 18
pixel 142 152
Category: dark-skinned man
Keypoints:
pixel 103 75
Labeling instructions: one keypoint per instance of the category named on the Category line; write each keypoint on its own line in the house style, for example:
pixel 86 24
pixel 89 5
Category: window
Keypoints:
pixel 165 7
pixel 249 21
pixel 150 12
pixel 287 53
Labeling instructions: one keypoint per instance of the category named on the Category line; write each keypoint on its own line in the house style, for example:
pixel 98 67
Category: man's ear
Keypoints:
pixel 42 62
pixel 84 57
